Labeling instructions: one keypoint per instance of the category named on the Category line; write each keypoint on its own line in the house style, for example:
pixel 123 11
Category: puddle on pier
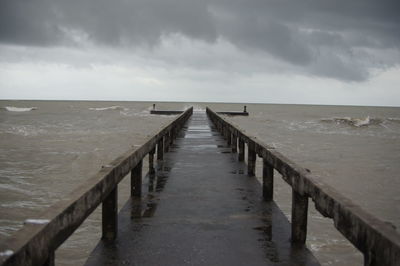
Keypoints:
pixel 237 172
pixel 146 206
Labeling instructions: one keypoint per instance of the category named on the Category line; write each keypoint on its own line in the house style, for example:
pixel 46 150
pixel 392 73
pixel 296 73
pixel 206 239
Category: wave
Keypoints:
pixel 356 122
pixel 394 119
pixel 120 108
pixel 19 109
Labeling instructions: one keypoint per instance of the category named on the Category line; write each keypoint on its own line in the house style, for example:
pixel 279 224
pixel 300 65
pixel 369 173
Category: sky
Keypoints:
pixel 266 51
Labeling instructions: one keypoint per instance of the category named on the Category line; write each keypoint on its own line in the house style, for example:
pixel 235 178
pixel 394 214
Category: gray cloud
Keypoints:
pixel 339 39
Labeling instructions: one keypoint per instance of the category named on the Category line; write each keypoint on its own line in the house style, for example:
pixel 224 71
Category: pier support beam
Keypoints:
pixel 166 142
pixel 251 159
pixel 51 259
pixel 370 259
pixel 299 218
pixel 234 143
pixel 241 150
pixel 268 181
pixel 136 180
pixel 110 215
pixel 151 160
pixel 160 149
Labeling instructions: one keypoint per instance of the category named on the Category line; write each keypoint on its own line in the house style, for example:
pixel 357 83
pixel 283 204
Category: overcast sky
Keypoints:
pixel 273 51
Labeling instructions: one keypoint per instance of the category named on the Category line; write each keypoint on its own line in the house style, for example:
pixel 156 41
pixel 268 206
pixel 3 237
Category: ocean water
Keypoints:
pixel 48 147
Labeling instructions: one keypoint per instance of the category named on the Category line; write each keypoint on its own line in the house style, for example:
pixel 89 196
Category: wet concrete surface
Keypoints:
pixel 201 208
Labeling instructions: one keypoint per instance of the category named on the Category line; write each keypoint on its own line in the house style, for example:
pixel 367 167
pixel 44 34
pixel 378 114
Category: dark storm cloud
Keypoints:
pixel 323 37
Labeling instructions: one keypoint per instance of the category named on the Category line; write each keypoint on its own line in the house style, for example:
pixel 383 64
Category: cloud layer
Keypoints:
pixel 341 39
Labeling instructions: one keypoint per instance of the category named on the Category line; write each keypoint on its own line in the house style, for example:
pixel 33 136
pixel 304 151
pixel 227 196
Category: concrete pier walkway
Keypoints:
pixel 201 208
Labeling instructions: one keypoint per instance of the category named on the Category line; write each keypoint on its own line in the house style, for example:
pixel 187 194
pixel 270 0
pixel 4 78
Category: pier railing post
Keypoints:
pixel 166 142
pixel 110 215
pixel 171 137
pixel 268 181
pixel 234 143
pixel 151 160
pixel 51 259
pixel 251 158
pixel 228 136
pixel 370 259
pixel 241 150
pixel 299 217
pixel 160 149
pixel 136 180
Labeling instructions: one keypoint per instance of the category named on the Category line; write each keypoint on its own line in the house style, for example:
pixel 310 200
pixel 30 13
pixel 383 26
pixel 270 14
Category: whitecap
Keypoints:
pixel 7 252
pixel 37 221
pixel 361 122
pixel 357 122
pixel 19 109
pixel 394 119
pixel 108 108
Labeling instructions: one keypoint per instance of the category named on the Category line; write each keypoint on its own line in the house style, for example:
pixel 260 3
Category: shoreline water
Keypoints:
pixel 62 142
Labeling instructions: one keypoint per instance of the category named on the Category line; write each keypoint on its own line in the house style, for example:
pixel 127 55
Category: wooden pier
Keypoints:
pixel 200 204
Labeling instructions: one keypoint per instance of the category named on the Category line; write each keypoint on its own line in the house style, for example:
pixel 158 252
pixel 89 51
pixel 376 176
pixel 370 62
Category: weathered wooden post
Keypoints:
pixel 51 259
pixel 166 142
pixel 370 259
pixel 160 149
pixel 136 180
pixel 299 217
pixel 151 160
pixel 268 181
pixel 234 142
pixel 171 136
pixel 110 215
pixel 228 136
pixel 251 158
pixel 241 150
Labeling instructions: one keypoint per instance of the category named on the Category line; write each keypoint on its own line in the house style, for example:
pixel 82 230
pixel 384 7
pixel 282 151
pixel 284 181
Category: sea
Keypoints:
pixel 47 148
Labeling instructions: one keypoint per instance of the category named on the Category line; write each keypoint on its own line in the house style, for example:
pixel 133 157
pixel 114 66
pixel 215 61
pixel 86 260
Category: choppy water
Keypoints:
pixel 47 148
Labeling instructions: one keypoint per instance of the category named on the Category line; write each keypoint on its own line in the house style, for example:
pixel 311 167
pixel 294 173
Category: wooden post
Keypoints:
pixel 110 215
pixel 234 143
pixel 268 181
pixel 136 180
pixel 50 259
pixel 241 150
pixel 370 259
pixel 228 136
pixel 160 149
pixel 251 159
pixel 171 137
pixel 299 217
pixel 151 160
pixel 166 142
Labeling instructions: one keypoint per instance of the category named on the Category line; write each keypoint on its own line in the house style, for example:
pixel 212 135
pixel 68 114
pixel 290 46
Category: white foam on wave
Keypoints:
pixel 37 221
pixel 117 107
pixel 19 109
pixel 6 253
pixel 356 122
pixel 394 119
pixel 25 131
